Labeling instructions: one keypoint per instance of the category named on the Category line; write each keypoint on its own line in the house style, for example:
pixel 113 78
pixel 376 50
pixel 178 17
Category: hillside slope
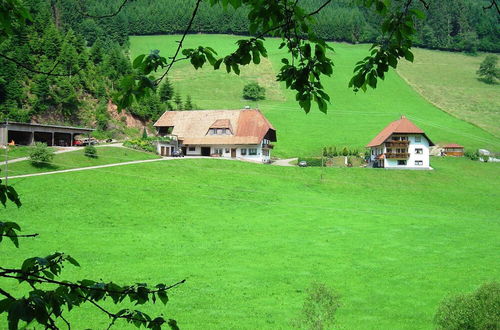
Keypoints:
pixel 352 120
pixel 449 81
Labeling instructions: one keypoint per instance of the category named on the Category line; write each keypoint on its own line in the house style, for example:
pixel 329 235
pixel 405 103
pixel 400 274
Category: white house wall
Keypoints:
pixel 410 162
pixel 258 157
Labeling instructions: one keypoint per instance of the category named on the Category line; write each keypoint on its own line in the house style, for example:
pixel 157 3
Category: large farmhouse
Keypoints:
pixel 244 134
pixel 400 145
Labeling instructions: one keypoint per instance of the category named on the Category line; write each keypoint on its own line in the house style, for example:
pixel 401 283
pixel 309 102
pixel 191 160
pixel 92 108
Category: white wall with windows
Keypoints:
pixel 418 150
pixel 251 152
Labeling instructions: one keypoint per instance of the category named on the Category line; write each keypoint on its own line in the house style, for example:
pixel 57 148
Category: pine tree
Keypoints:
pixel 166 91
pixel 178 100
pixel 488 71
pixel 189 104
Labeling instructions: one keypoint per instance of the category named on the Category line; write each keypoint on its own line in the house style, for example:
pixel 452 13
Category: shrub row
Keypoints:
pixel 140 144
pixel 333 151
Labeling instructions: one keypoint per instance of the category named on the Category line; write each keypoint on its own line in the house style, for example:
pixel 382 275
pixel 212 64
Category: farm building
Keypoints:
pixel 245 134
pixel 28 134
pixel 400 145
pixel 453 149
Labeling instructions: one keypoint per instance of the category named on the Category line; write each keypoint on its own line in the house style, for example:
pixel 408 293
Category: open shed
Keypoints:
pixel 453 149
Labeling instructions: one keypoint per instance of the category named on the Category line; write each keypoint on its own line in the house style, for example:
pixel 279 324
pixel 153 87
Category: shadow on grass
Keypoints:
pixel 46 166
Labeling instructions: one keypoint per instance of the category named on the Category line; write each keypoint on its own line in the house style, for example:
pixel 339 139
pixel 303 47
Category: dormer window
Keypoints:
pixel 220 127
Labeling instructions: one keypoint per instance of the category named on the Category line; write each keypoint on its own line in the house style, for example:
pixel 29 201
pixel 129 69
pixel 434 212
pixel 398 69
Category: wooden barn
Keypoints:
pixel 453 149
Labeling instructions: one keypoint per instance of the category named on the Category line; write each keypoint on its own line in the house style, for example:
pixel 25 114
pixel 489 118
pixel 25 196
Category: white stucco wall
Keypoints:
pixel 410 162
pixel 226 151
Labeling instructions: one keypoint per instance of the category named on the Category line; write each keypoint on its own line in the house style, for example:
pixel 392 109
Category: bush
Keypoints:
pixel 90 151
pixel 254 92
pixel 320 306
pixel 477 310
pixel 345 152
pixel 473 155
pixel 141 144
pixel 41 155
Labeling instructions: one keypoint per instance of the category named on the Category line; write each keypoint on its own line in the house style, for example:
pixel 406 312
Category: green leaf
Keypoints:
pixel 72 261
pixel 217 64
pixel 138 61
pixel 163 297
pixel 408 55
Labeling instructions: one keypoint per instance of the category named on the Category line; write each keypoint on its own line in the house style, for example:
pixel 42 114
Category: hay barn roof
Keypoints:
pixel 248 126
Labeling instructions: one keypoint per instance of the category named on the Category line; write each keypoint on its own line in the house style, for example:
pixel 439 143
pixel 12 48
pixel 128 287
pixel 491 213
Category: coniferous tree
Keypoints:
pixel 166 91
pixel 488 71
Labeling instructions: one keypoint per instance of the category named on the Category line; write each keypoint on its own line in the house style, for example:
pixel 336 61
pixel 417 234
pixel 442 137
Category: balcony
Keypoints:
pixel 397 144
pixel 397 155
pixel 267 146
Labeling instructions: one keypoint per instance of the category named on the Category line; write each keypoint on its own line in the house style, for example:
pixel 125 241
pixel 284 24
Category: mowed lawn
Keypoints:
pixel 353 118
pixel 75 159
pixel 449 80
pixel 251 238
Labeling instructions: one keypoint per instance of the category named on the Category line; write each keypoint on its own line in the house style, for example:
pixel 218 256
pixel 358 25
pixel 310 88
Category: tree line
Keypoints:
pixel 458 25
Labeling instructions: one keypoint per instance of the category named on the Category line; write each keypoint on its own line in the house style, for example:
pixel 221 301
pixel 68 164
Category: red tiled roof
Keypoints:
pixel 453 145
pixel 400 126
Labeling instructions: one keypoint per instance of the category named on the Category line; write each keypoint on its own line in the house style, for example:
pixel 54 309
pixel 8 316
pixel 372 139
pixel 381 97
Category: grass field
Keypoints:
pixel 392 243
pixel 75 159
pixel 16 152
pixel 449 80
pixel 353 119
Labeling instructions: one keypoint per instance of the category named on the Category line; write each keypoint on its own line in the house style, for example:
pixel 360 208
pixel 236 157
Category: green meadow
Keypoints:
pixel 449 81
pixel 353 119
pixel 75 159
pixel 250 239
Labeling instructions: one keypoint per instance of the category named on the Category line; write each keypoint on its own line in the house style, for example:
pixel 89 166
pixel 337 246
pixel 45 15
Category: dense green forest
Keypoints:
pixel 90 55
pixel 450 24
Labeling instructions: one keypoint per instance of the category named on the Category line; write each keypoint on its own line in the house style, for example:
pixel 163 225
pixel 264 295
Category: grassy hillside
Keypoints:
pixel 449 81
pixel 353 119
pixel 392 243
pixel 75 159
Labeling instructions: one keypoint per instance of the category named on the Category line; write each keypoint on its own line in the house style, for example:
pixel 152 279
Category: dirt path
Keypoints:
pixel 281 162
pixel 284 162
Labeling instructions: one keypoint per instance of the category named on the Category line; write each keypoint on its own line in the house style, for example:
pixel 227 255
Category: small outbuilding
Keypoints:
pixel 453 149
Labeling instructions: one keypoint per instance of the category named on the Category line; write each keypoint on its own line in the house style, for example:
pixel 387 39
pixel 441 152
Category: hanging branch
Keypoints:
pixel 179 47
pixel 104 16
pixel 491 5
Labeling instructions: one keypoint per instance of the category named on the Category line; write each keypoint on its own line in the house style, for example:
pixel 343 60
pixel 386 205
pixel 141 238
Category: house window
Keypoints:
pixel 227 150
pixel 252 151
pixel 211 131
pixel 419 162
pixel 218 151
pixel 192 149
pixel 419 151
pixel 401 162
pixel 404 138
pixel 243 152
pixel 389 150
pixel 418 138
pixel 395 138
pixel 265 152
pixel 373 152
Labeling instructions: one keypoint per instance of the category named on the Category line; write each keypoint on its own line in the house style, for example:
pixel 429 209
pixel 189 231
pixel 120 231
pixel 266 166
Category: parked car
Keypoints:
pixel 177 153
pixel 84 141
pixel 303 163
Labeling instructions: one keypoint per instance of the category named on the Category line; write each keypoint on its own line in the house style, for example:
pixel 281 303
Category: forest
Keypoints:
pixel 458 25
pixel 87 57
